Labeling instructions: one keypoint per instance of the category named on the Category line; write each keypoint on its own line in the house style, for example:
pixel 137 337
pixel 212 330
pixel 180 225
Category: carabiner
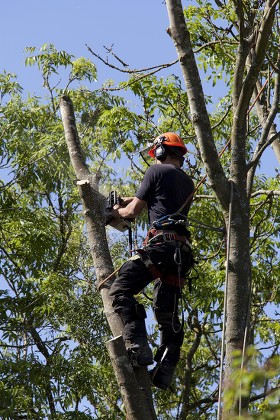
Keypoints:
pixel 177 255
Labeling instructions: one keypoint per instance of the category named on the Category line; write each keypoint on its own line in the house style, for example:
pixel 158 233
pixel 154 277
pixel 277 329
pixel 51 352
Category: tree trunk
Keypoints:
pixel 238 288
pixel 134 385
pixel 239 267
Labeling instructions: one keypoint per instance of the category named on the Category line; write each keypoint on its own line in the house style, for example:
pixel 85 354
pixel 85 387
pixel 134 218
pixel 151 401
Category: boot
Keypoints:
pixel 162 375
pixel 136 343
pixel 139 352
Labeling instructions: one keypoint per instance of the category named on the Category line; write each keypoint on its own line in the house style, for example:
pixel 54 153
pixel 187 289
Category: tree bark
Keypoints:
pixel 125 377
pixel 134 384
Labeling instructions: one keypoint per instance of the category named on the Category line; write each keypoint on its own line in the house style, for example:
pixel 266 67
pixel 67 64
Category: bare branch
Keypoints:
pixel 196 327
pixel 223 118
pixel 258 56
pixel 269 130
pixel 110 50
pixel 258 155
pixel 129 71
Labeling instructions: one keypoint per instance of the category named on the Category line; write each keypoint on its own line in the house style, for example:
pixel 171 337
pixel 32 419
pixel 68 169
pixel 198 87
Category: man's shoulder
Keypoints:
pixel 157 171
pixel 161 167
pixel 165 169
pixel 170 168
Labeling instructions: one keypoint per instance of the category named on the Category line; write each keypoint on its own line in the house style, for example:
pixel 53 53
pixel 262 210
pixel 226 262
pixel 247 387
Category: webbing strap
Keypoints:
pixel 166 278
pixel 149 263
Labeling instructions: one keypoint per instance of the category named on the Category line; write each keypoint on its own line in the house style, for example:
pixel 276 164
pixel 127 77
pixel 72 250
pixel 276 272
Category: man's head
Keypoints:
pixel 168 145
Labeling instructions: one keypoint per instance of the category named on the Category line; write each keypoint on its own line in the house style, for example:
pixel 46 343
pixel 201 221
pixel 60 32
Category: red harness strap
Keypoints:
pixel 149 264
pixel 166 278
pixel 173 280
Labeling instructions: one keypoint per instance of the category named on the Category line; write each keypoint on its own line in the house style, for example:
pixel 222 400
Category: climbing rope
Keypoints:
pixel 99 286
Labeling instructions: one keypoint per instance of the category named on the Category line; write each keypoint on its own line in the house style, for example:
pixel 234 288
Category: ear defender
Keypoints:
pixel 160 152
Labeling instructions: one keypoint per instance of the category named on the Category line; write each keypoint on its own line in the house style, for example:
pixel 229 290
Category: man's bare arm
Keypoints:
pixel 133 208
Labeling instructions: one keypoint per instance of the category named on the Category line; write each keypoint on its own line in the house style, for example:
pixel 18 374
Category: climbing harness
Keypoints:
pixel 170 220
pixel 155 236
pixel 180 242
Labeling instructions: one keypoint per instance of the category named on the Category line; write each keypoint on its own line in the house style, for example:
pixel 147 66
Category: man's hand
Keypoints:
pixel 115 209
pixel 124 201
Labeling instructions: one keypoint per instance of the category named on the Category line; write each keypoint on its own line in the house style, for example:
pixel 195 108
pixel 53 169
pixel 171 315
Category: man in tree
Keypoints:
pixel 166 257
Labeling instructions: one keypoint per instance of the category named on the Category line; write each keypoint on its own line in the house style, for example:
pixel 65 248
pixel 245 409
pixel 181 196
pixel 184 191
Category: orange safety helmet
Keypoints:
pixel 168 139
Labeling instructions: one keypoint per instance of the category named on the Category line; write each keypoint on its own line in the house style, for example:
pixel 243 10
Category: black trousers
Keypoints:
pixel 132 278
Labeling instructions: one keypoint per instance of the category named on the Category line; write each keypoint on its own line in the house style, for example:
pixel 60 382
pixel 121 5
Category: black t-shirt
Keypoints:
pixel 165 188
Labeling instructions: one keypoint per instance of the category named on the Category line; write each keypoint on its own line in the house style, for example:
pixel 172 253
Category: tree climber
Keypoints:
pixel 165 257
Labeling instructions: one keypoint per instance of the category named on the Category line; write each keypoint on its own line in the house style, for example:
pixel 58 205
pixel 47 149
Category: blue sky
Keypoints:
pixel 137 29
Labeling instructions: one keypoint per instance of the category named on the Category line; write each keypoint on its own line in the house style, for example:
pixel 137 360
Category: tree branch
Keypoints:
pixel 269 129
pixel 181 38
pixel 266 192
pixel 257 59
pixel 265 394
pixel 129 71
pixel 259 153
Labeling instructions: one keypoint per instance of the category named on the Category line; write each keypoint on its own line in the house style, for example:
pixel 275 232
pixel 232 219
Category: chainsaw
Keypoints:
pixel 118 223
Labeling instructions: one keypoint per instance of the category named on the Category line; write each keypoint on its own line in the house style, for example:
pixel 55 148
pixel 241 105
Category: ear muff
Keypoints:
pixel 160 152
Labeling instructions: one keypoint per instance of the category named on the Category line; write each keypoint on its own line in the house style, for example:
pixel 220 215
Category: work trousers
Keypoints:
pixel 132 278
